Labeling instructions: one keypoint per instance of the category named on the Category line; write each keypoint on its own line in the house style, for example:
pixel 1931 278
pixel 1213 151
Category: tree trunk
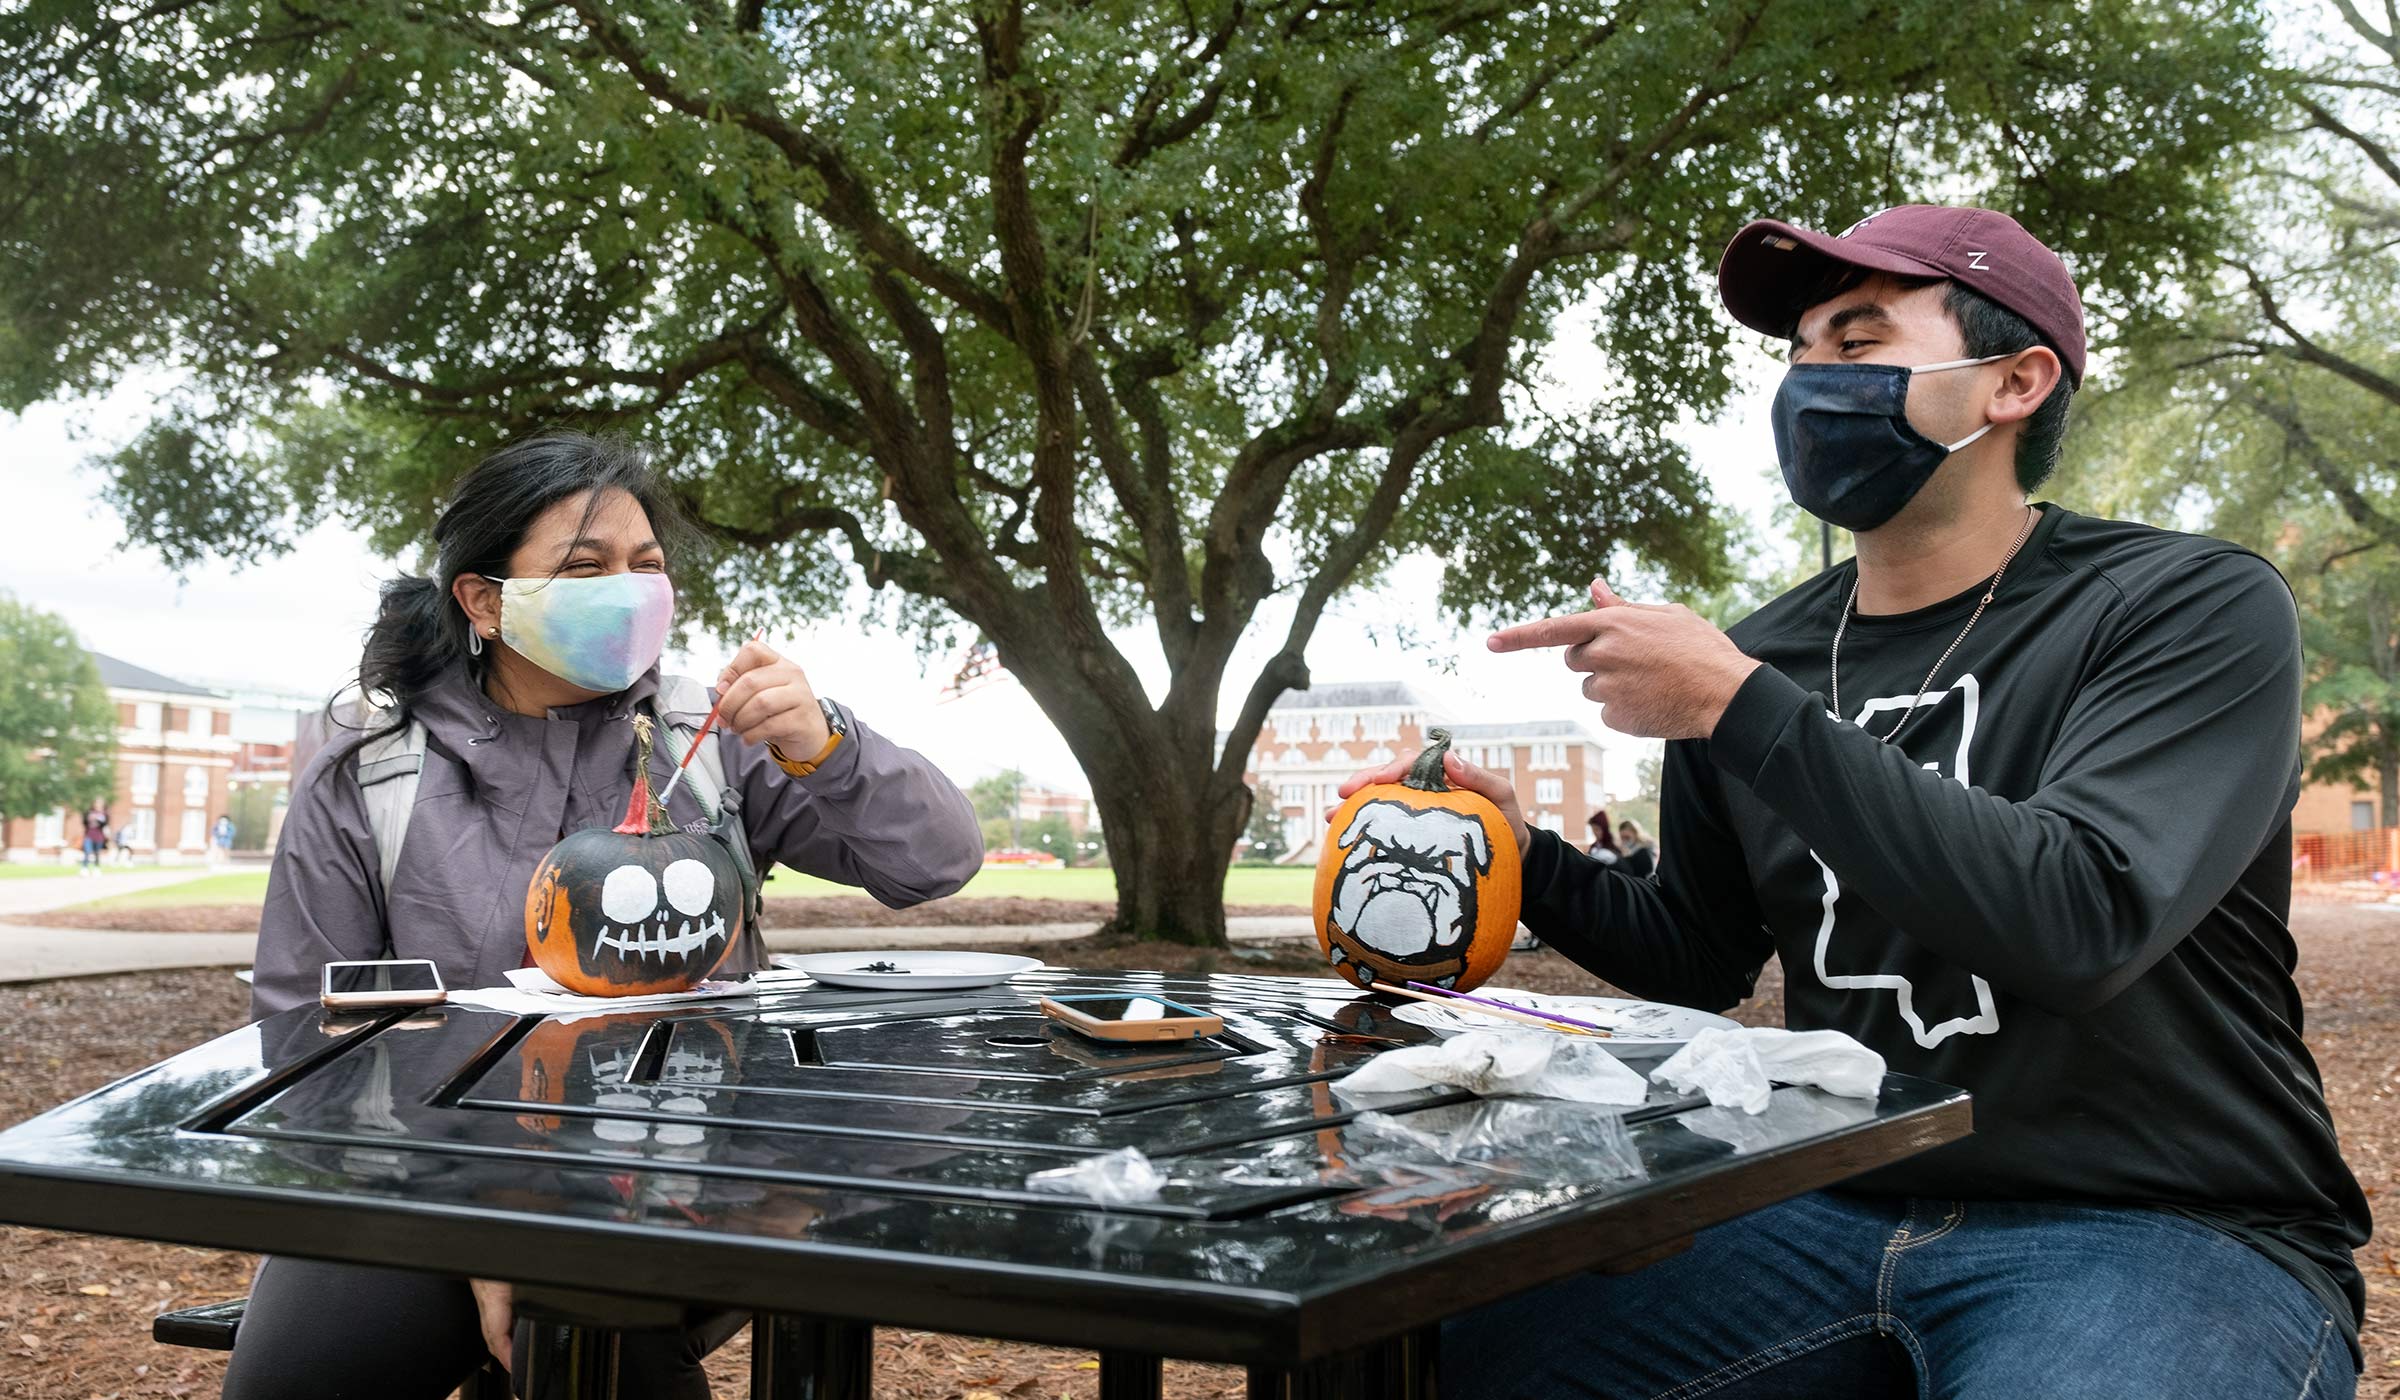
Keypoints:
pixel 1169 821
pixel 1170 857
pixel 2387 770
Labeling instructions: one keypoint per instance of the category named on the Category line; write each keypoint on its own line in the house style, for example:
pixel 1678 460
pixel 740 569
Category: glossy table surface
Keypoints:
pixel 864 1156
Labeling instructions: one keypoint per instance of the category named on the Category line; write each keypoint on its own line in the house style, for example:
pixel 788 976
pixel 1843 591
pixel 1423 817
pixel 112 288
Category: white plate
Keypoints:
pixel 1636 1027
pixel 920 971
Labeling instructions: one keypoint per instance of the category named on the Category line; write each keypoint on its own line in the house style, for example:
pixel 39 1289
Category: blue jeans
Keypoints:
pixel 1830 1295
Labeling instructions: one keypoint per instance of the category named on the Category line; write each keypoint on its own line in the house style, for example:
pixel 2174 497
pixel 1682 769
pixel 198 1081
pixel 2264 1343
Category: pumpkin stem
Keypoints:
pixel 639 807
pixel 1426 775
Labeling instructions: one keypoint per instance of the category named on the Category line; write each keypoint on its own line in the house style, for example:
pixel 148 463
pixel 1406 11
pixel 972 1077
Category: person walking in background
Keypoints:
pixel 220 840
pixel 95 838
pixel 1635 855
pixel 1603 847
pixel 124 840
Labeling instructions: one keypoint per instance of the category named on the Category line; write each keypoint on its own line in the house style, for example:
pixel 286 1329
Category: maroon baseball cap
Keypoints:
pixel 1773 271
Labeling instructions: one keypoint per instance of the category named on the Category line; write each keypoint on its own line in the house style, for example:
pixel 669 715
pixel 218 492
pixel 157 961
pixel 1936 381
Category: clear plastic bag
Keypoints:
pixel 1120 1178
pixel 1545 1140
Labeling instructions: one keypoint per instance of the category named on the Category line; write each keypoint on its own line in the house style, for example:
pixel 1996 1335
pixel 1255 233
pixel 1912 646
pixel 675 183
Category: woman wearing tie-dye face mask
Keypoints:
pixel 524 659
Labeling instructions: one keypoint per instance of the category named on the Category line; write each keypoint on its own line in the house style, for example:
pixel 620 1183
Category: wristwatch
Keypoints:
pixel 837 729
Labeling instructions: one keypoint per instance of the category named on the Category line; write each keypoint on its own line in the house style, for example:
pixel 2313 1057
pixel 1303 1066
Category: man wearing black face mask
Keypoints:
pixel 2009 794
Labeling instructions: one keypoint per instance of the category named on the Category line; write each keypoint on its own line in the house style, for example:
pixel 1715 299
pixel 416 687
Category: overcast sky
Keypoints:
pixel 293 624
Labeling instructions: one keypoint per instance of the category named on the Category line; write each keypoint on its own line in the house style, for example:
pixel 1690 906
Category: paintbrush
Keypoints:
pixel 1482 1008
pixel 693 750
pixel 1512 1006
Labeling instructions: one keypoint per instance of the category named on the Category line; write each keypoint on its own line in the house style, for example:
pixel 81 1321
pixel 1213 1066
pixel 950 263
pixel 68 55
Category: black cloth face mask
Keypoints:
pixel 1848 451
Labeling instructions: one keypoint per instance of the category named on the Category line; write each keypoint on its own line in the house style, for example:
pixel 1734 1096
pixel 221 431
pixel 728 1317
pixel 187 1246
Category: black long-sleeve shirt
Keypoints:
pixel 2064 888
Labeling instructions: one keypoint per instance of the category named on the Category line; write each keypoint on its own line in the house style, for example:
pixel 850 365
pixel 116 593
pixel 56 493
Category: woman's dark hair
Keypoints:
pixel 1603 833
pixel 419 633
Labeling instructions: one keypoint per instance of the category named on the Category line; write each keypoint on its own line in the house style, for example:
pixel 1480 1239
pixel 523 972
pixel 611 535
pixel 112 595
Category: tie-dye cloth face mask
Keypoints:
pixel 600 633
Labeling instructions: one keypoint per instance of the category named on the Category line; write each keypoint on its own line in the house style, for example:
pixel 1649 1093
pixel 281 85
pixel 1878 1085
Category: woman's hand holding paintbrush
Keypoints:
pixel 766 699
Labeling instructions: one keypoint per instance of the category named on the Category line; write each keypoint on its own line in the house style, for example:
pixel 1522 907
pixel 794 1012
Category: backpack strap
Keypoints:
pixel 683 703
pixel 389 767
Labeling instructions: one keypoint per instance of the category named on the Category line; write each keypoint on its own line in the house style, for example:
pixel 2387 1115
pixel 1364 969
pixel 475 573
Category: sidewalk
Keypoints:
pixel 33 954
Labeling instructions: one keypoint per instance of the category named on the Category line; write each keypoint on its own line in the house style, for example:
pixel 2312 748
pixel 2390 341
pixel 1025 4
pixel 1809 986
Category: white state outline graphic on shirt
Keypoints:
pixel 1987 1017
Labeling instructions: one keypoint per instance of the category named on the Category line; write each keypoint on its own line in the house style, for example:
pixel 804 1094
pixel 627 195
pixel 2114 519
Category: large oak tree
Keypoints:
pixel 1052 318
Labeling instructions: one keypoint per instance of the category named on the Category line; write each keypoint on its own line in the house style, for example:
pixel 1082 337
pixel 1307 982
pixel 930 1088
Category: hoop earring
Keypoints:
pixel 474 642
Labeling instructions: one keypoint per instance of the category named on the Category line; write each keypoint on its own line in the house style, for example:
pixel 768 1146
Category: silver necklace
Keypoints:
pixel 2031 515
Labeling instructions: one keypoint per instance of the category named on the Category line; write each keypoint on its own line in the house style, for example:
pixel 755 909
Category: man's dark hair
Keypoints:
pixel 1985 327
pixel 1988 328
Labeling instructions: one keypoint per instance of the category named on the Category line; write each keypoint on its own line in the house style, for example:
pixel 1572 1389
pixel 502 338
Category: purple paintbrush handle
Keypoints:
pixel 1511 1006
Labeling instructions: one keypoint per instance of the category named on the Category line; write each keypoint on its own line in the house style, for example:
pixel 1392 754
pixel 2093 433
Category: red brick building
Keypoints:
pixel 1315 738
pixel 175 750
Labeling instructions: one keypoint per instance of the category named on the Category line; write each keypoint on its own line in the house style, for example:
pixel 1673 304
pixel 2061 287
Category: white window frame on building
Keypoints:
pixel 145 782
pixel 195 786
pixel 194 829
pixel 145 827
pixel 50 829
pixel 1549 790
pixel 149 716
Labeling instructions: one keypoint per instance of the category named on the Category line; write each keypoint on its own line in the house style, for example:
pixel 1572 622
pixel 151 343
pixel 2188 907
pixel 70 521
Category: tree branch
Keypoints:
pixel 2324 120
pixel 2303 348
pixel 1143 137
pixel 1591 42
pixel 2361 511
pixel 1017 109
pixel 847 202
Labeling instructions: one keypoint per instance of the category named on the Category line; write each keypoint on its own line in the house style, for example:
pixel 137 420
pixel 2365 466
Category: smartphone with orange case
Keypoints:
pixel 1114 1016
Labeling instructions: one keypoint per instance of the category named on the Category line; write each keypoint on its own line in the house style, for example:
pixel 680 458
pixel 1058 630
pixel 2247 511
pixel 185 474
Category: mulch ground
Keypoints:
pixel 75 1310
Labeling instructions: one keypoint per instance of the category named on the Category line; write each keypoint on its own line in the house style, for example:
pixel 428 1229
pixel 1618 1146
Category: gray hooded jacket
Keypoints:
pixel 499 789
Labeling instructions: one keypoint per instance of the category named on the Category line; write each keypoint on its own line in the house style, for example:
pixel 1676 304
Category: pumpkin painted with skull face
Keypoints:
pixel 636 909
pixel 1419 882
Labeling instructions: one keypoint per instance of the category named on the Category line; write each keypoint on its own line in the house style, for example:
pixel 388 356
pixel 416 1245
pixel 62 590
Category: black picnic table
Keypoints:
pixel 831 1160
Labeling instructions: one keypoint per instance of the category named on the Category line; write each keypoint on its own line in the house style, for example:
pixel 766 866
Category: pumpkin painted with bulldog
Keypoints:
pixel 636 909
pixel 1419 881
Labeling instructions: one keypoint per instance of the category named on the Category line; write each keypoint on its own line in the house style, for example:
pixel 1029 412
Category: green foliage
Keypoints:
pixel 58 728
pixel 2348 588
pixel 469 221
pixel 1050 834
pixel 994 797
pixel 2262 387
pixel 1265 832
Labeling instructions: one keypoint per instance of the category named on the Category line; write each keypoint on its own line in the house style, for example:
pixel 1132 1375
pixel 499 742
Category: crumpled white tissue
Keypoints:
pixel 1738 1068
pixel 1536 1064
pixel 1123 1177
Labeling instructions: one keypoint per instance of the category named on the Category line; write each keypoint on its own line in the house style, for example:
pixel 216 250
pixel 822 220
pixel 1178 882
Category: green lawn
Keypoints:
pixel 11 870
pixel 234 887
pixel 1243 885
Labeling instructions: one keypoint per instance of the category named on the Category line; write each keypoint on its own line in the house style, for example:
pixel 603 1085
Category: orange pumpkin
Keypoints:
pixel 1419 882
